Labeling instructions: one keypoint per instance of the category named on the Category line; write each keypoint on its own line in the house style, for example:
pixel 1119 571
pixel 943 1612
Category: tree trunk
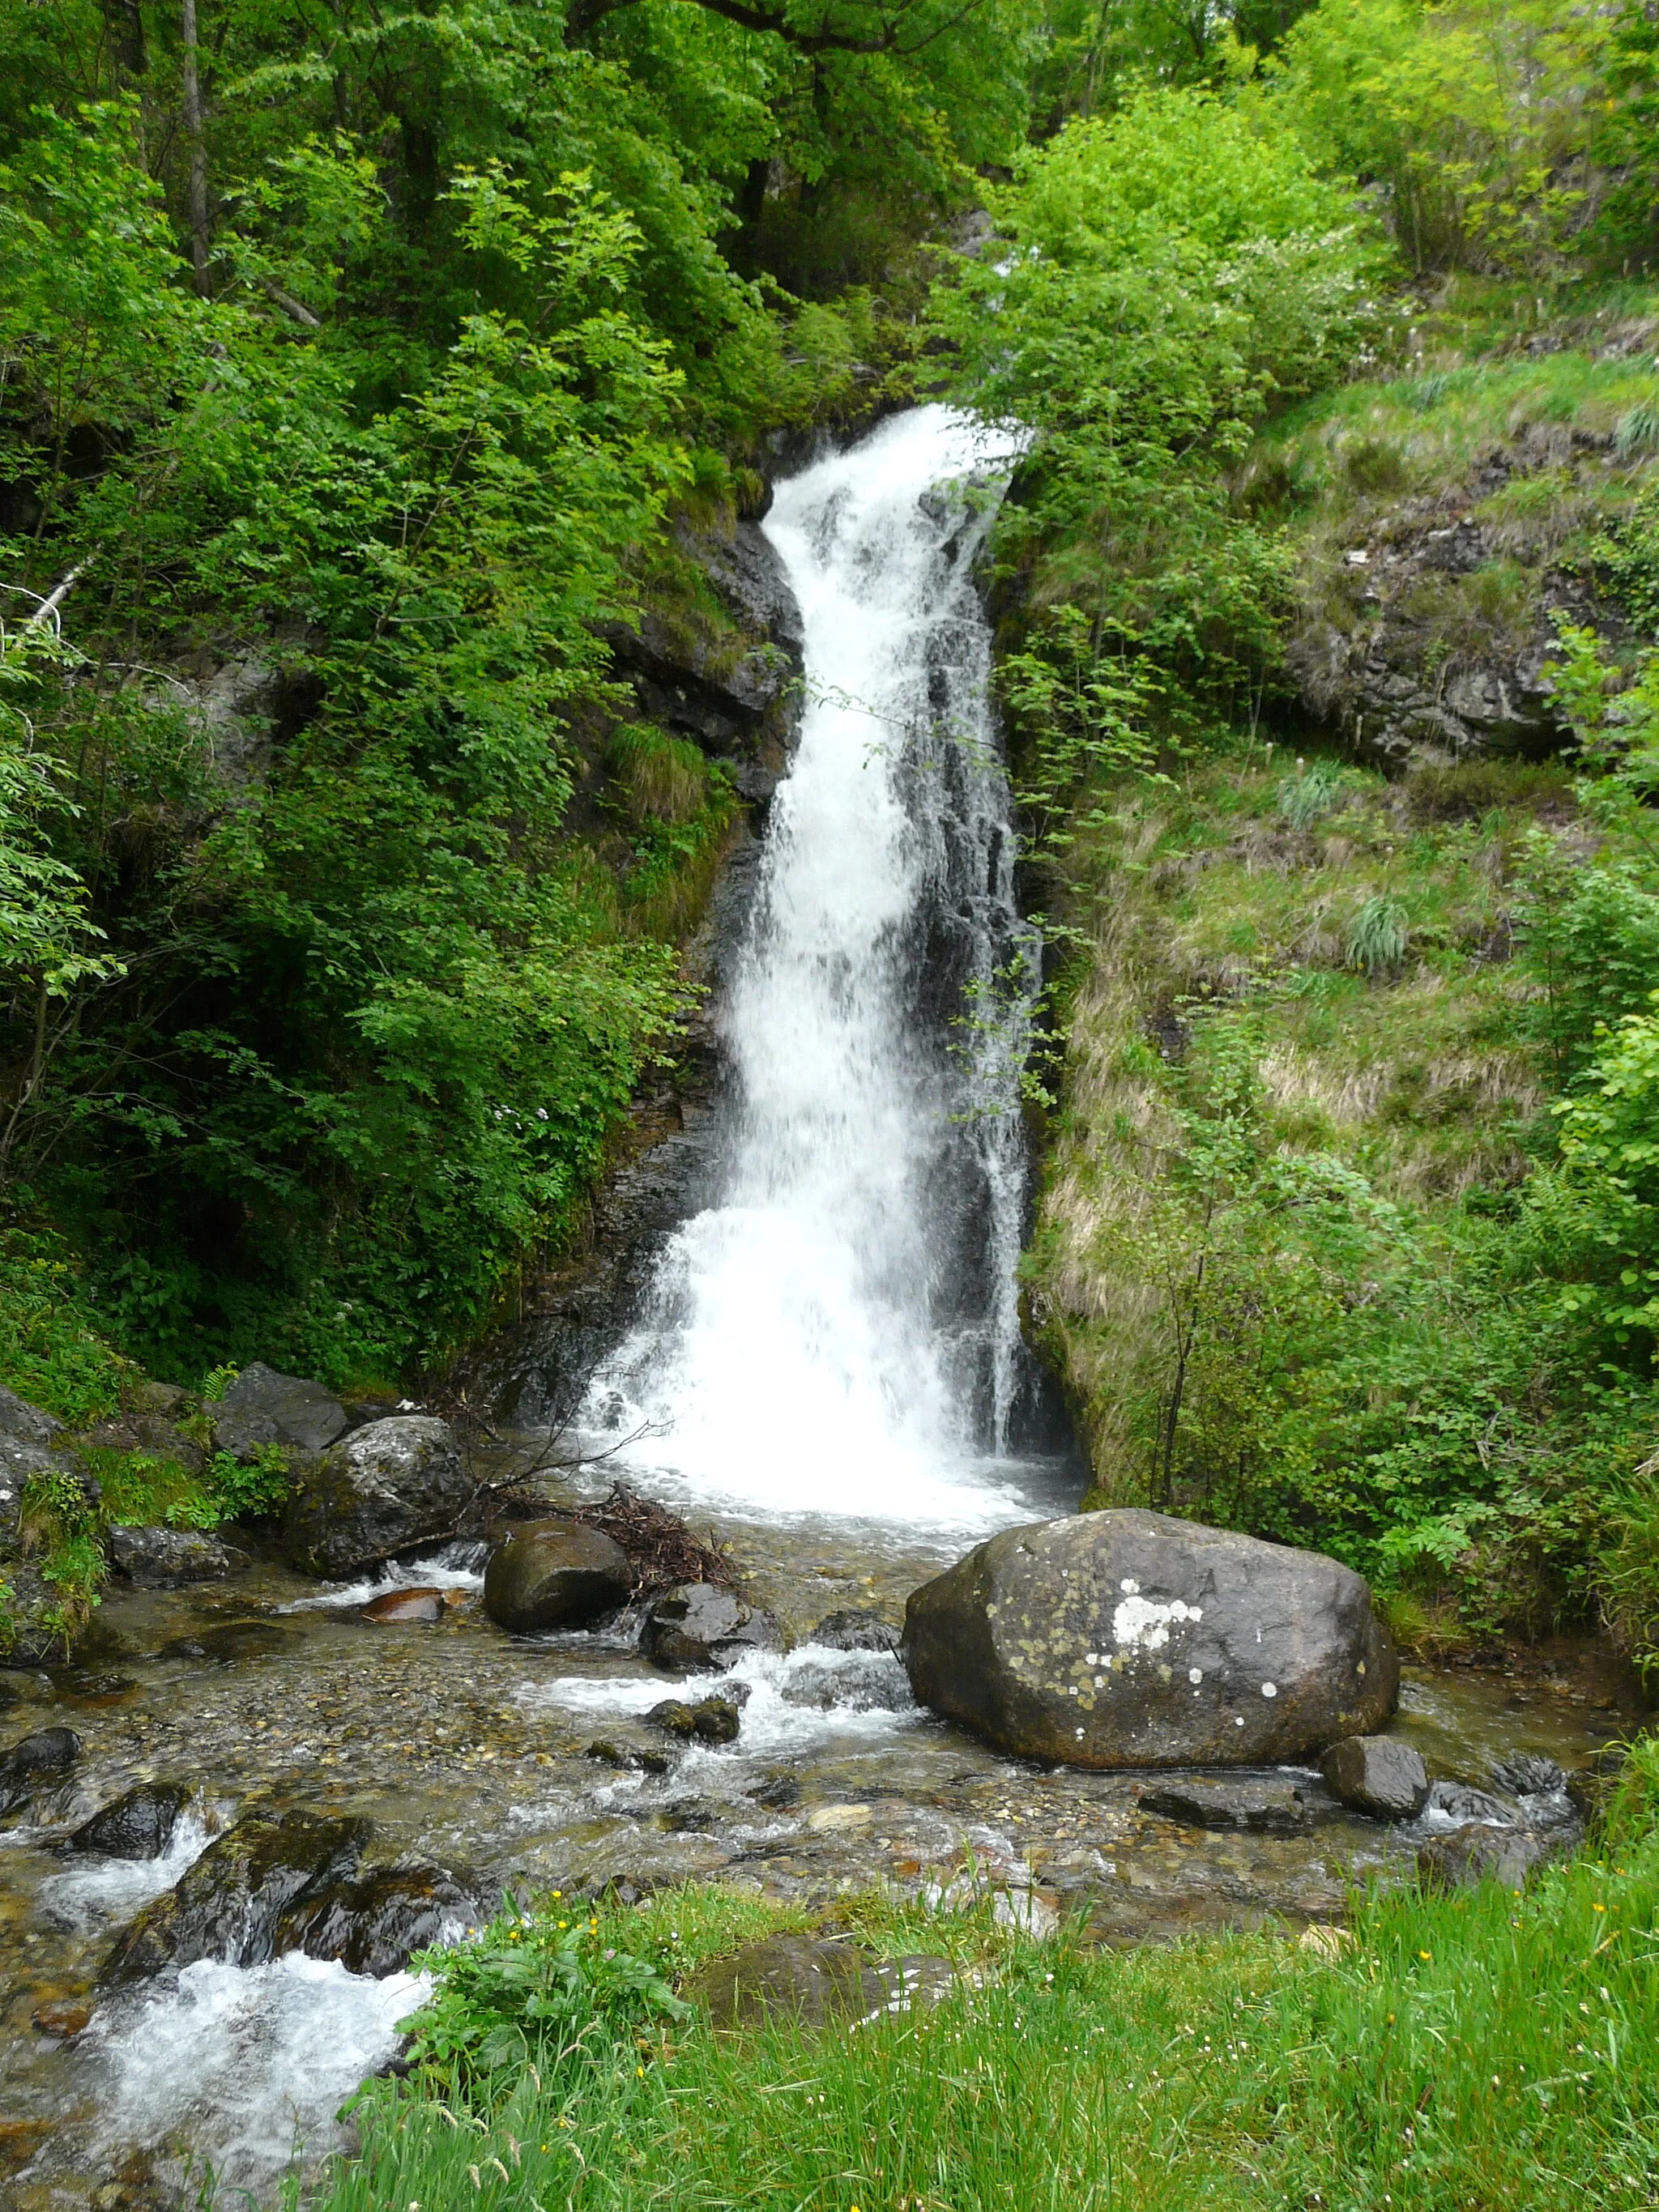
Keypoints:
pixel 198 206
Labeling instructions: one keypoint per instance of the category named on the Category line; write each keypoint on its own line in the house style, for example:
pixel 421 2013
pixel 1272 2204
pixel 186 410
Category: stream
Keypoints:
pixel 827 1370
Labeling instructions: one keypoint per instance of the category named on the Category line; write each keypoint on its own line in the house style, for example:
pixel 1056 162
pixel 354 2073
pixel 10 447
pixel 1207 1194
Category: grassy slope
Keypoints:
pixel 1481 2051
pixel 1426 1077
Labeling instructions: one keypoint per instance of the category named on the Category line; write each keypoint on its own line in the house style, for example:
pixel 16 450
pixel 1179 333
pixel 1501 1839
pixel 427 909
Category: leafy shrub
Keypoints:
pixel 536 1987
pixel 1307 798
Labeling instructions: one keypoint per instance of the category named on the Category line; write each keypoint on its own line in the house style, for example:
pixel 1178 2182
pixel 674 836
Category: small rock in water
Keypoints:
pixel 1455 1804
pixel 61 2017
pixel 236 1640
pixel 417 1605
pixel 699 1624
pixel 712 1720
pixel 839 1819
pixel 777 1792
pixel 1379 1775
pixel 168 1558
pixel 1529 1774
pixel 136 1827
pixel 35 1764
pixel 384 1487
pixel 1479 1852
pixel 228 1904
pixel 555 1574
pixel 1129 1639
pixel 1257 1807
pixel 629 1755
pixel 856 1629
pixel 263 1407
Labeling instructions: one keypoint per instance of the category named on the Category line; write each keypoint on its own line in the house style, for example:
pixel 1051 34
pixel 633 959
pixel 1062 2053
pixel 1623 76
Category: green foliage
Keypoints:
pixel 1167 272
pixel 251 1489
pixel 1378 936
pixel 51 1351
pixel 537 1987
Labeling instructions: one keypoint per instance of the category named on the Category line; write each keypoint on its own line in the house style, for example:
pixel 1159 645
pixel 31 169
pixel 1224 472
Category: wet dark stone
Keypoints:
pixel 1129 1639
pixel 629 1754
pixel 136 1827
pixel 422 1605
pixel 1456 1801
pixel 63 2018
pixel 712 1720
pixel 1255 1806
pixel 166 1559
pixel 699 1626
pixel 855 1631
pixel 555 1574
pixel 1479 1853
pixel 796 1975
pixel 687 1815
pixel 864 1682
pixel 1378 1775
pixel 372 1922
pixel 389 1486
pixel 778 1791
pixel 229 1904
pixel 1529 1774
pixel 35 1762
pixel 232 1641
pixel 263 1407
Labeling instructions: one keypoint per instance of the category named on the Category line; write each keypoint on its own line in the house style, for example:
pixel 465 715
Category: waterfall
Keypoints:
pixel 839 1334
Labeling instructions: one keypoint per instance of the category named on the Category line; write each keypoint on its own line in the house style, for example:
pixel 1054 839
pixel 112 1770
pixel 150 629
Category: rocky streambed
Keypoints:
pixel 441 1742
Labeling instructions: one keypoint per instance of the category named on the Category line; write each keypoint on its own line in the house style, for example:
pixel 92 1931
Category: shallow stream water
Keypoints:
pixel 827 1371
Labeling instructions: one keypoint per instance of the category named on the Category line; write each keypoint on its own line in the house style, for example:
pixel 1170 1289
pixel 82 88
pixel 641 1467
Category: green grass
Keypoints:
pixel 1479 2051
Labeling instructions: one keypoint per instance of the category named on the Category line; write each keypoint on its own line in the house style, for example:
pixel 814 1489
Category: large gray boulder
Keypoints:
pixel 555 1574
pixel 391 1485
pixel 263 1407
pixel 1129 1639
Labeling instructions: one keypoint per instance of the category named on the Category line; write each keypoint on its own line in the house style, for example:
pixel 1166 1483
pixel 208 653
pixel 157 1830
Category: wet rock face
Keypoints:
pixel 1377 1775
pixel 1128 1638
pixel 230 1903
pixel 423 1607
pixel 166 1559
pixel 35 1764
pixel 263 1407
pixel 711 1720
pixel 387 1487
pixel 136 1827
pixel 372 1924
pixel 1481 1852
pixel 555 1574
pixel 856 1630
pixel 29 1445
pixel 700 1625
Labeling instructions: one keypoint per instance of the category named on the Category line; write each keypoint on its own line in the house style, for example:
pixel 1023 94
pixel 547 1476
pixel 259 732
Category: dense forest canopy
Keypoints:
pixel 364 375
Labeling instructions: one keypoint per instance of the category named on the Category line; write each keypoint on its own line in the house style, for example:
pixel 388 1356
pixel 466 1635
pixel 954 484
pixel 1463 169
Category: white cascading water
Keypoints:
pixel 839 1335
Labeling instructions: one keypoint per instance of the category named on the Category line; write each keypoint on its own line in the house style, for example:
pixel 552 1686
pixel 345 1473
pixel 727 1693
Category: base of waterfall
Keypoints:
pixel 1130 1638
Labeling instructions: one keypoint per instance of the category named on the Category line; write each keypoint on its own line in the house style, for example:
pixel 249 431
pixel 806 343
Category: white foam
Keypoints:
pixel 436 1573
pixel 248 2062
pixel 869 1700
pixel 96 1890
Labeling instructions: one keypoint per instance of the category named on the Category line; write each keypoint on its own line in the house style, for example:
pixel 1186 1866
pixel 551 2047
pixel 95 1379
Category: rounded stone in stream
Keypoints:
pixel 232 1641
pixel 229 1904
pixel 166 1559
pixel 35 1762
pixel 698 1625
pixel 1480 1852
pixel 372 1922
pixel 712 1720
pixel 136 1827
pixel 1130 1638
pixel 1378 1775
pixel 424 1605
pixel 555 1574
pixel 263 1408
pixel 815 1982
pixel 391 1485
